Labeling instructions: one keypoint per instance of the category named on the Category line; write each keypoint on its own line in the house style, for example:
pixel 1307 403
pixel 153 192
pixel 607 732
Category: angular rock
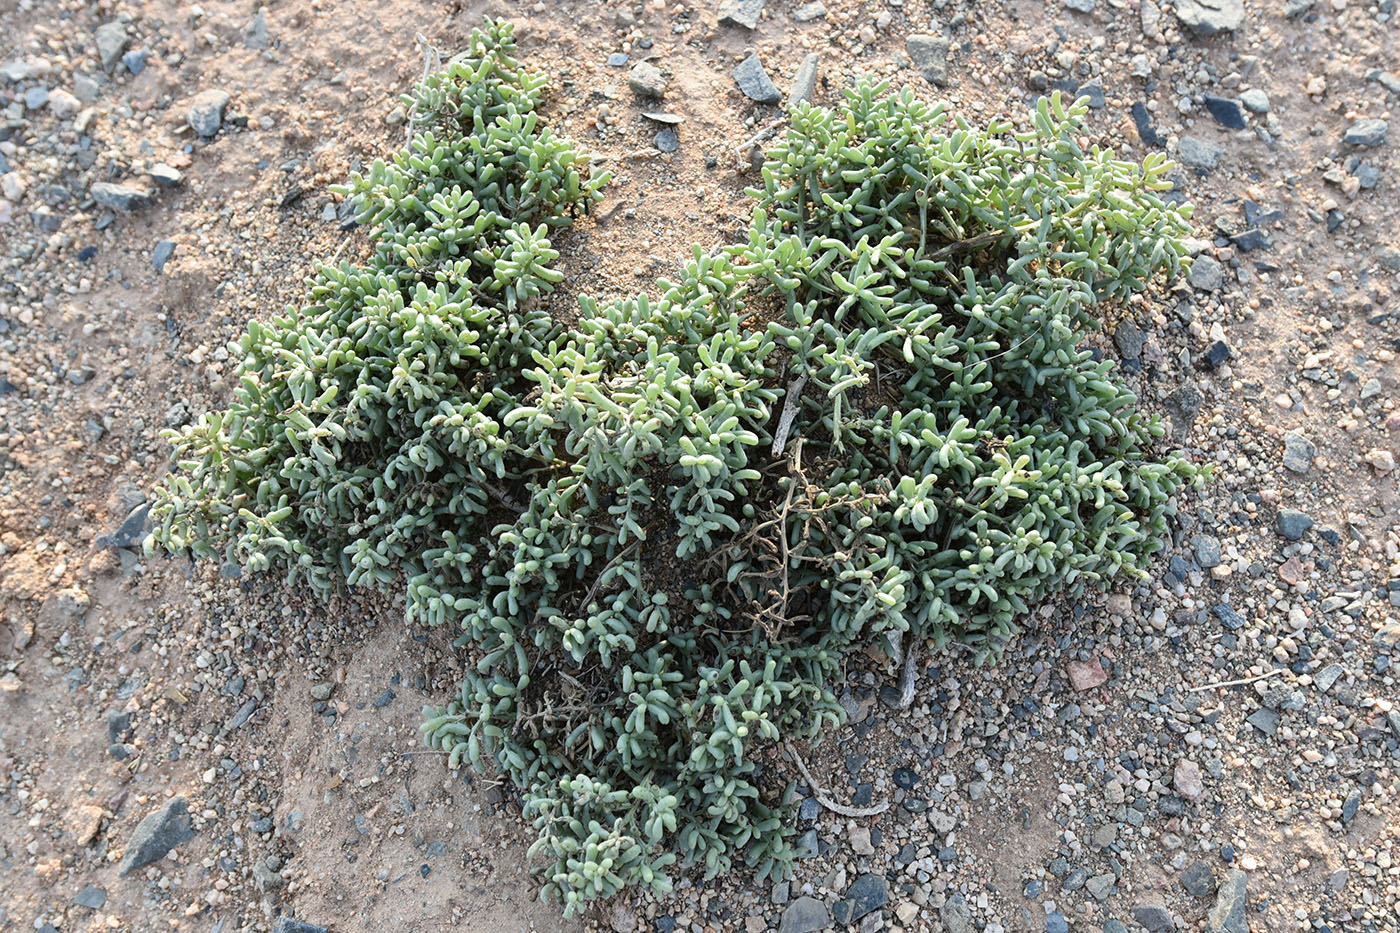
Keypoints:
pixel 1086 675
pixel 206 113
pixel 809 11
pixel 869 893
pixel 1186 779
pixel 1183 405
pixel 1154 918
pixel 135 60
pixel 804 82
pixel 1228 616
pixel 667 139
pixel 930 56
pixel 1369 132
pixel 1292 524
pixel 1351 805
pixel 1206 274
pixel 118 725
pixel 132 531
pixel 1298 452
pixel 288 925
pixel 1265 720
pixel 1100 886
pixel 1198 879
pixel 111 41
pixel 804 915
pixel 1229 915
pixel 1216 355
pixel 255 36
pixel 124 198
pixel 161 254
pixel 157 834
pixel 753 80
pixel 1199 154
pixel 1094 91
pixel 1255 100
pixel 740 12
pixel 91 896
pixel 1226 111
pixel 1210 17
pixel 647 80
pixel 956 916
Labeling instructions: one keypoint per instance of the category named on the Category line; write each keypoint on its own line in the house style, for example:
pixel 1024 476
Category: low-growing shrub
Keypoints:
pixel 663 527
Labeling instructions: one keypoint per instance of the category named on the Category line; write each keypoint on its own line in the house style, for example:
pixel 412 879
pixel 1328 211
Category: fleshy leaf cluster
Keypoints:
pixel 663 524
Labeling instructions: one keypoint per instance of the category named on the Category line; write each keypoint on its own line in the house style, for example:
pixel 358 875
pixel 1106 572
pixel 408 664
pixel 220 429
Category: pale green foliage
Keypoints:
pixel 648 590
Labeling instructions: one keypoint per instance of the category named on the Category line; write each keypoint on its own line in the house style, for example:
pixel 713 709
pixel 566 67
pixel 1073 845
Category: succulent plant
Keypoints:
pixel 663 526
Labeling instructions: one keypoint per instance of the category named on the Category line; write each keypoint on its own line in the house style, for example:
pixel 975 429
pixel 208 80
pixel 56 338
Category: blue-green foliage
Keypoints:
pixel 648 586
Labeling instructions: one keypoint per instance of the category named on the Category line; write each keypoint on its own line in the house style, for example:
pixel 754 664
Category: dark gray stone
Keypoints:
pixel 1094 91
pixel 804 915
pixel 804 82
pixel 930 56
pixel 1228 616
pixel 288 925
pixel 740 12
pixel 1265 720
pixel 1206 274
pixel 1226 111
pixel 667 139
pixel 1229 915
pixel 1351 805
pixel 124 198
pixel 956 916
pixel 132 531
pixel 809 11
pixel 118 725
pixel 1129 340
pixel 206 113
pixel 1298 452
pixel 1292 524
pixel 1198 879
pixel 1216 355
pixel 1154 918
pixel 868 893
pixel 1183 404
pixel 753 80
pixel 1368 132
pixel 1207 549
pixel 162 253
pixel 157 834
pixel 91 896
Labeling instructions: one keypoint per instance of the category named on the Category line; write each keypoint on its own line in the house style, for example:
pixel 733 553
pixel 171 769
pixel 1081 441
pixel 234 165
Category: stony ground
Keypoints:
pixel 1213 748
